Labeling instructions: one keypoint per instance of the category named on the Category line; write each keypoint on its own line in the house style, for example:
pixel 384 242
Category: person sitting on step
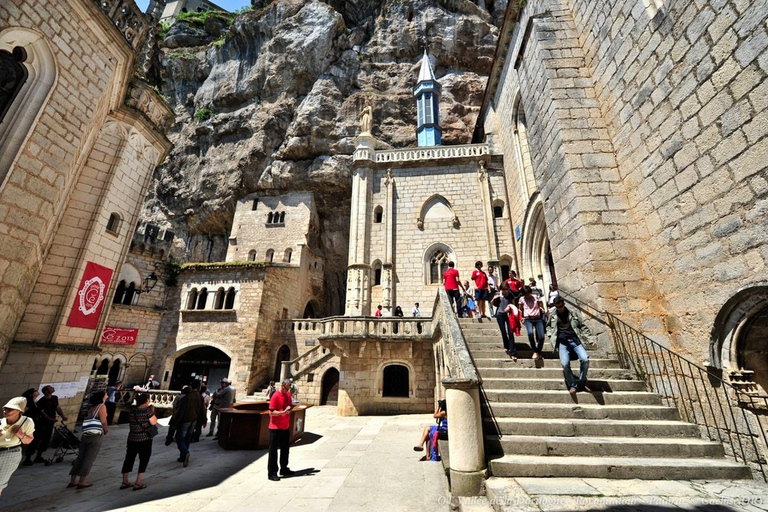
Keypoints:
pixel 432 433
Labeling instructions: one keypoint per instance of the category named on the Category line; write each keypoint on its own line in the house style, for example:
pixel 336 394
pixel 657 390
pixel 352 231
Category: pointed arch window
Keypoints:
pixel 270 216
pixel 192 299
pixel 118 298
pixel 252 255
pixel 282 218
pixel 13 75
pixel 218 302
pixel 378 214
pixel 376 273
pixel 287 255
pixel 270 255
pixel 438 264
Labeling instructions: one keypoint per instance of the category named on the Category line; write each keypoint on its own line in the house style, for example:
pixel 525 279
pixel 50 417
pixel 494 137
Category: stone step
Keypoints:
pixel 618 467
pixel 596 385
pixel 549 446
pixel 505 361
pixel 588 428
pixel 550 372
pixel 582 411
pixel 563 397
pixel 522 353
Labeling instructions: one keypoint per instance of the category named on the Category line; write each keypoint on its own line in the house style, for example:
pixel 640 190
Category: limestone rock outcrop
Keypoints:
pixel 272 104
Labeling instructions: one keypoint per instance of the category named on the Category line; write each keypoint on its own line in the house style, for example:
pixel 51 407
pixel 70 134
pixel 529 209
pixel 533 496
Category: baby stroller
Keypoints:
pixel 66 443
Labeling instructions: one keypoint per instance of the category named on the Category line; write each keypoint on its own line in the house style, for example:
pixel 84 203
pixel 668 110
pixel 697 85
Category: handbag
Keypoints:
pixel 92 426
pixel 152 431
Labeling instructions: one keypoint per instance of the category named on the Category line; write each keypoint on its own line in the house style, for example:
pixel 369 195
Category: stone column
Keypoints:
pixel 485 194
pixel 465 438
pixel 388 266
pixel 358 269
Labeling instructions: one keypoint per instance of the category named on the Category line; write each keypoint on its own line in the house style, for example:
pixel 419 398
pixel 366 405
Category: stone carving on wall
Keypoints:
pixel 142 98
pixel 366 120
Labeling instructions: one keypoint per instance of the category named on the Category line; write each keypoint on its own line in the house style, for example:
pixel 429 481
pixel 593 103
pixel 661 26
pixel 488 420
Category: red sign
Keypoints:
pixel 119 336
pixel 90 297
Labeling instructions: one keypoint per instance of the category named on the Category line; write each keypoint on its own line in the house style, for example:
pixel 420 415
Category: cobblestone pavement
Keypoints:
pixel 363 462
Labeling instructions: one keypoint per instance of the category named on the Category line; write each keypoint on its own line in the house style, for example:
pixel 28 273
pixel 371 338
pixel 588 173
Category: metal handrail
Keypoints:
pixel 722 412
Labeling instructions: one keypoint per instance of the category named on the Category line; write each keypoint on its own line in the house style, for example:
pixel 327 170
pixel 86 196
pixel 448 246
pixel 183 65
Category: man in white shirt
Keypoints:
pixel 416 311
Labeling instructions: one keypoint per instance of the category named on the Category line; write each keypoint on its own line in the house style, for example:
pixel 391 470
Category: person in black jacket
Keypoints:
pixel 190 408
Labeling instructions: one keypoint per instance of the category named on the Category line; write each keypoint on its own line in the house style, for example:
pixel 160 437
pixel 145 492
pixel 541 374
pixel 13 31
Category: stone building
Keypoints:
pixel 634 137
pixel 414 210
pixel 222 317
pixel 79 139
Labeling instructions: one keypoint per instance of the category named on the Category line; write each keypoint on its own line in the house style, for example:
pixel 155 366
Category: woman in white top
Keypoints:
pixel 15 430
pixel 533 317
pixel 553 294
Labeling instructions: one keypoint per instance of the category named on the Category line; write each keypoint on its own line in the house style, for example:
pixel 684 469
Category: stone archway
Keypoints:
pixel 206 364
pixel 283 354
pixel 739 339
pixel 329 393
pixel 537 259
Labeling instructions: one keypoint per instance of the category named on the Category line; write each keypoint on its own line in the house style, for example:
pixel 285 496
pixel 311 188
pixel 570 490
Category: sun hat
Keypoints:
pixel 19 403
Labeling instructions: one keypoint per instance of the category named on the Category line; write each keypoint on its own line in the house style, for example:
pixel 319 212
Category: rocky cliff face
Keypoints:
pixel 271 103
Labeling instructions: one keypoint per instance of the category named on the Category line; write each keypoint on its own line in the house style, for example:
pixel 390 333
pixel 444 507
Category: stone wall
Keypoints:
pixel 360 384
pixel 252 231
pixel 648 148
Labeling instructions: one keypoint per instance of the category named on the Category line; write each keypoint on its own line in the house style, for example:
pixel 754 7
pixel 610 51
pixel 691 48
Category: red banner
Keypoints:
pixel 90 297
pixel 119 336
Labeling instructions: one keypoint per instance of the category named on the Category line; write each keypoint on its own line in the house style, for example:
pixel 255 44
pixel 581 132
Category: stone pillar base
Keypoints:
pixel 470 483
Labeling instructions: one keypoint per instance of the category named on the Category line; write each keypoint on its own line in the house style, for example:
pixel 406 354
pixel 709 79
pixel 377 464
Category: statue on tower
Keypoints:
pixel 366 120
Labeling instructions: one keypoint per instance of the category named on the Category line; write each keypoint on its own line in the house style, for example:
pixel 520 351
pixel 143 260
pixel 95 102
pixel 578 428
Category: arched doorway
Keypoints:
pixel 309 311
pixel 740 335
pixel 537 254
pixel 206 364
pixel 329 394
pixel 284 354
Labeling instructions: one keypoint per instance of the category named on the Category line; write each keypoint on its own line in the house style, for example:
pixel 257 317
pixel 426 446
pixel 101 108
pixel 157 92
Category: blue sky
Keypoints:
pixel 230 5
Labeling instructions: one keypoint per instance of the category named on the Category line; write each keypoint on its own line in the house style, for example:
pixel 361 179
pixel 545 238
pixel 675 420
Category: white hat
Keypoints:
pixel 19 403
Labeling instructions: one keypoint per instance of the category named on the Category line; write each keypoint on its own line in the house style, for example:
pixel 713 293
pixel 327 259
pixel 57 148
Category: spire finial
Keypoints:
pixel 426 73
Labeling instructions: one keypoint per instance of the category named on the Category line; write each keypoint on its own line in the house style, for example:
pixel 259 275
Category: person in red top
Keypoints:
pixel 280 430
pixel 482 292
pixel 452 285
pixel 378 311
pixel 515 286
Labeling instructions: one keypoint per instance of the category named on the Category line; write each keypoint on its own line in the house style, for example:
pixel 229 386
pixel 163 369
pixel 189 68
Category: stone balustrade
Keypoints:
pixel 431 153
pixel 359 327
pixel 128 19
pixel 158 397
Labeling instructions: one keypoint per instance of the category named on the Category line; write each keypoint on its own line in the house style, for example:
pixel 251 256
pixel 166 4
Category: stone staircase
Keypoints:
pixel 535 428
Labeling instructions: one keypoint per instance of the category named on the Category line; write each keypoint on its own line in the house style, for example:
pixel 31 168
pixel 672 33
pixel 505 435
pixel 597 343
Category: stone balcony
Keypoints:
pixel 421 154
pixel 128 19
pixel 359 328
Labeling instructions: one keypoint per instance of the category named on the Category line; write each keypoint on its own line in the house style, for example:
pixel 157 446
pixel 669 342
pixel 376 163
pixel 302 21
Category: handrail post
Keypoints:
pixel 285 370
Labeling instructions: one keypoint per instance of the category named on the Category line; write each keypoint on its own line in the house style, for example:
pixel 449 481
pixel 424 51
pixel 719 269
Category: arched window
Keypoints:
pixel 13 75
pixel 218 302
pixel 118 298
pixel 192 298
pixel 270 216
pixel 287 255
pixel 378 214
pixel 28 73
pixel 438 264
pixel 103 367
pixel 129 293
pixel 229 303
pixel 498 209
pixel 376 268
pixel 113 224
pixel 255 205
pixel 395 381
pixel 270 255
pixel 252 256
pixel 202 298
pixel 282 218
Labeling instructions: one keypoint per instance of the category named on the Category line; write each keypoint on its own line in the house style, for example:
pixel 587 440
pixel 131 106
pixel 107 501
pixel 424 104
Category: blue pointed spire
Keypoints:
pixel 427 93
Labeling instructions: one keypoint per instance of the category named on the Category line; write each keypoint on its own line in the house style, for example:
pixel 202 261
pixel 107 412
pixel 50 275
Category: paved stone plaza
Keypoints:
pixel 363 463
